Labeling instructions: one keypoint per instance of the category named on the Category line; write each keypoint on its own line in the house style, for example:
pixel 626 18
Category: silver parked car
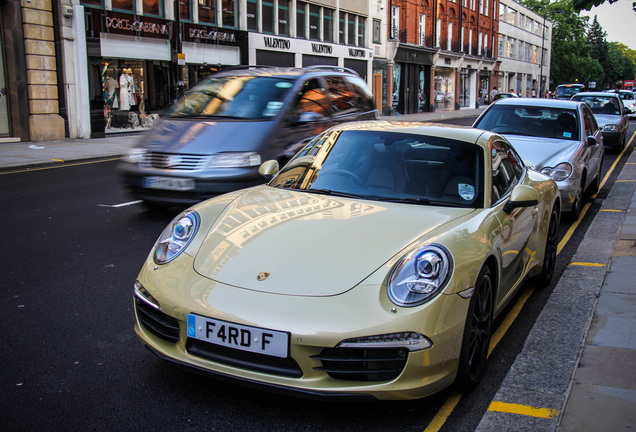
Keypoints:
pixel 559 138
pixel 611 115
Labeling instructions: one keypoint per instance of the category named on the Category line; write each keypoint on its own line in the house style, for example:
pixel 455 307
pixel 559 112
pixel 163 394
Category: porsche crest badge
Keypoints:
pixel 262 276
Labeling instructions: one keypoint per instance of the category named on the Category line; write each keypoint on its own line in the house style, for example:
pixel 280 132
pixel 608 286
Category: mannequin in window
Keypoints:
pixel 126 90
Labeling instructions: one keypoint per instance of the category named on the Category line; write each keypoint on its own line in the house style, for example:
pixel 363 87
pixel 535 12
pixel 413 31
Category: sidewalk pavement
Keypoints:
pixel 577 370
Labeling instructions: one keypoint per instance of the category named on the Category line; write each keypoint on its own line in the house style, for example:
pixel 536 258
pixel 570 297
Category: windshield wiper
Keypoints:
pixel 334 193
pixel 422 201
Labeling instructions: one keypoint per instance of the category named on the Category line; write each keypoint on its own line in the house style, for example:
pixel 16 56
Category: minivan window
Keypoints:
pixel 237 97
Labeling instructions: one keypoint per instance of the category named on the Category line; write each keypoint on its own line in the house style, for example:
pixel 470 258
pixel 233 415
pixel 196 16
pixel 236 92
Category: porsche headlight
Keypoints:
pixel 234 160
pixel 559 172
pixel 610 127
pixel 420 276
pixel 176 237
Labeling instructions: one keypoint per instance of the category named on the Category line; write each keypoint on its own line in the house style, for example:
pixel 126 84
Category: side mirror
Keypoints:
pixel 521 196
pixel 269 169
pixel 591 141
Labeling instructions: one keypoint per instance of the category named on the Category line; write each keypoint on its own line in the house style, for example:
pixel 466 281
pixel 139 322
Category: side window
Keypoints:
pixel 362 94
pixel 507 169
pixel 342 101
pixel 590 121
pixel 313 98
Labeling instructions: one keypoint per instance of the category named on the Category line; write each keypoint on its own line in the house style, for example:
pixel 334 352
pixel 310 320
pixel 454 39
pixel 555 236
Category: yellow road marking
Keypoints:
pixel 587 264
pixel 525 410
pixel 610 210
pixel 60 166
pixel 625 181
pixel 446 410
pixel 58 160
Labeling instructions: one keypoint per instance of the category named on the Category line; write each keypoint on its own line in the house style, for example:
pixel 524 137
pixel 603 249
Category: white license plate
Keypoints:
pixel 246 338
pixel 168 183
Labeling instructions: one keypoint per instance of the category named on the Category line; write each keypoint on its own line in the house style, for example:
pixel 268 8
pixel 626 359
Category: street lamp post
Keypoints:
pixel 541 89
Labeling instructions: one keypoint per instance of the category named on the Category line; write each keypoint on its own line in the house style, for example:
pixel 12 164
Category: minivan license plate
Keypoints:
pixel 168 183
pixel 246 338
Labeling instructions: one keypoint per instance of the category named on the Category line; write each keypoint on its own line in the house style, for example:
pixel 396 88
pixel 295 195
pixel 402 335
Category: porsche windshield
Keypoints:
pixel 388 166
pixel 239 97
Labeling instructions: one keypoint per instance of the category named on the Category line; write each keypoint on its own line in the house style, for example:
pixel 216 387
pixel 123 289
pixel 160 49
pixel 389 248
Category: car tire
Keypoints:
pixel 477 332
pixel 577 206
pixel 595 187
pixel 551 246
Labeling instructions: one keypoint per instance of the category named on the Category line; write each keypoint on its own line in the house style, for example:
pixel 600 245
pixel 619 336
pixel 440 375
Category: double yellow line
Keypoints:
pixel 449 406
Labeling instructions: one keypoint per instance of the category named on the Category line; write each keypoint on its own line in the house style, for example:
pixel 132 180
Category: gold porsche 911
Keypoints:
pixel 371 266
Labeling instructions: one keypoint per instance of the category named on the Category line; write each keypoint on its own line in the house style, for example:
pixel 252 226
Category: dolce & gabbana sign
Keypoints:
pixel 194 33
pixel 136 25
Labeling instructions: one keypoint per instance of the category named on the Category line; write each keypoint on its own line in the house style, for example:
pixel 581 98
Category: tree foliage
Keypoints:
pixel 580 51
pixel 579 5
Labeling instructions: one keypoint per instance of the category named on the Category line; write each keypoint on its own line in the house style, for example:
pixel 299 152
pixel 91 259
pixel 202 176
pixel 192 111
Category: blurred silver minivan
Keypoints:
pixel 214 138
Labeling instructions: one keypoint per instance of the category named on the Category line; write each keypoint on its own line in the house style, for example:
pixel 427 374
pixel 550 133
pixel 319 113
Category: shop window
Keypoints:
pixel 327 24
pixel 283 17
pixel 252 15
pixel 185 11
pixel 125 95
pixel 301 8
pixel 125 5
pixel 207 11
pixel 154 7
pixel 267 8
pixel 230 13
pixel 314 22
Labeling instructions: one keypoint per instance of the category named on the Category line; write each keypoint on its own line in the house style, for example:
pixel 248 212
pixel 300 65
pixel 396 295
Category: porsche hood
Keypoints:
pixel 296 243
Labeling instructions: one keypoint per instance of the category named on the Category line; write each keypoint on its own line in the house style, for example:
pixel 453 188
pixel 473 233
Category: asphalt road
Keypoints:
pixel 70 360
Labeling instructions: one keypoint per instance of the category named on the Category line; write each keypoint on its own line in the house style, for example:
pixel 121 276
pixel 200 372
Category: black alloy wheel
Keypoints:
pixel 477 333
pixel 551 246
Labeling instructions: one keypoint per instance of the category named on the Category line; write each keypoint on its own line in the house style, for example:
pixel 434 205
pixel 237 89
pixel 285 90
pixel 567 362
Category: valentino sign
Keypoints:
pixel 271 42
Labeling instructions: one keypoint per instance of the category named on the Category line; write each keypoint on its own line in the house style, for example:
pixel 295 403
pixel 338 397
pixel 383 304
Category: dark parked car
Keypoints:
pixel 213 139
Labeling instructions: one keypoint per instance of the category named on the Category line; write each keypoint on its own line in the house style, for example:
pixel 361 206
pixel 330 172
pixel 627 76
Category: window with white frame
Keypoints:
pixel 314 22
pixel 422 29
pixel 283 17
pixel 438 32
pixel 327 24
pixel 395 22
pixel 481 7
pixel 377 31
pixel 267 8
pixel 479 38
pixel 449 46
pixel 362 31
pixel 301 13
pixel 470 41
pixel 229 15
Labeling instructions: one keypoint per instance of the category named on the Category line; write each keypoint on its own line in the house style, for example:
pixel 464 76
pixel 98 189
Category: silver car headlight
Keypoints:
pixel 234 160
pixel 610 127
pixel 176 237
pixel 420 276
pixel 135 155
pixel 560 172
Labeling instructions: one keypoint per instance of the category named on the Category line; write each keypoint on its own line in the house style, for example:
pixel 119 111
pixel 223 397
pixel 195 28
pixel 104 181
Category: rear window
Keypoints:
pixel 238 97
pixel 609 105
pixel 547 122
pixel 567 91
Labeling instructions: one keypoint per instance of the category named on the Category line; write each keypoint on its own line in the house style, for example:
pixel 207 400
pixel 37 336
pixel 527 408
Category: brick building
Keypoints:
pixel 442 54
